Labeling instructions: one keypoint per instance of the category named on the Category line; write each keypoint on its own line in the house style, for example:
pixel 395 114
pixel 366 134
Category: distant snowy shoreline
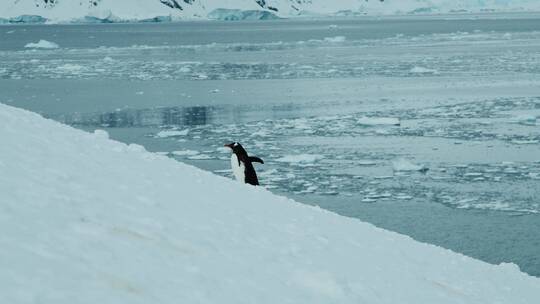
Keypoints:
pixel 38 20
pixel 124 11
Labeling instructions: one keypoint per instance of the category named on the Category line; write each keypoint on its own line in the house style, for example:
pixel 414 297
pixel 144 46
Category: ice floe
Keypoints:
pixel 335 39
pixel 300 158
pixel 42 44
pixel 402 164
pixel 185 153
pixel 171 133
pixel 422 70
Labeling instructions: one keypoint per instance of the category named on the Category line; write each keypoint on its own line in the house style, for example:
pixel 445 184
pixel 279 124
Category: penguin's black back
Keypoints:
pixel 249 171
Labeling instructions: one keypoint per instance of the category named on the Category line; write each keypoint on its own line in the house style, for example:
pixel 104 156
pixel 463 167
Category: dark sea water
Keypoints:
pixel 426 126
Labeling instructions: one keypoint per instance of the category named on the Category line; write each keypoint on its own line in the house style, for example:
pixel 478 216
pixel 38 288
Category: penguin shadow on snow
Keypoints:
pixel 242 164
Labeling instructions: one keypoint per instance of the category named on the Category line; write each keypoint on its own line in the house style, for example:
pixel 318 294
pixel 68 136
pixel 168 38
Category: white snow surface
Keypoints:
pixel 135 10
pixel 42 44
pixel 89 220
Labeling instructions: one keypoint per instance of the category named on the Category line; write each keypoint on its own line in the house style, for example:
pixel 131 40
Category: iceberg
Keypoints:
pixel 42 44
pixel 238 14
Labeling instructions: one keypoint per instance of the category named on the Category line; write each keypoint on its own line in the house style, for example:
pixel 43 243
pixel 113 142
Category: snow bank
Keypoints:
pixel 42 44
pixel 89 220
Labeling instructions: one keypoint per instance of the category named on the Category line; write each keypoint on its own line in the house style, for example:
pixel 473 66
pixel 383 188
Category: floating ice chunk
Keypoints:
pixel 524 142
pixel 108 59
pixel 333 26
pixel 300 158
pixel 529 120
pixel 185 153
pixel 402 164
pixel 311 189
pixel 336 39
pixel 473 174
pixel 200 157
pixel 171 133
pixel 366 163
pixel 368 200
pixel 377 121
pixel 534 175
pixel 42 44
pixel 69 67
pixel 404 197
pixel 493 205
pixel 422 70
pixel 223 150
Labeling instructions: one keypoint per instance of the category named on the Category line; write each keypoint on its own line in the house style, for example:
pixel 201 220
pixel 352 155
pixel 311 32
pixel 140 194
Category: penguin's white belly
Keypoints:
pixel 238 169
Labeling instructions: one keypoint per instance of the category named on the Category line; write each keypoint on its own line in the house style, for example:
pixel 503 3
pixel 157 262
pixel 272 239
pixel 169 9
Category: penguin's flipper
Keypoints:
pixel 255 159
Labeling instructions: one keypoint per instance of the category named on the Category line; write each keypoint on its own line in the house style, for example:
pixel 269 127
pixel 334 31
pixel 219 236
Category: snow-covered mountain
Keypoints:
pixel 138 10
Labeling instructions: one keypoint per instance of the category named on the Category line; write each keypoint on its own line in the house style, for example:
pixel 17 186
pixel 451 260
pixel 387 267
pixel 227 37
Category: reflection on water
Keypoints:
pixel 168 116
pixel 191 116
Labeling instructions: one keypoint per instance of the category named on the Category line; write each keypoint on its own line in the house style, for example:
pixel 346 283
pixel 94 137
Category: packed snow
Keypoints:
pixel 92 219
pixel 39 11
pixel 42 44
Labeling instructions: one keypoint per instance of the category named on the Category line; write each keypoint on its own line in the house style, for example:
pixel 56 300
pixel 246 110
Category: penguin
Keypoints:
pixel 242 164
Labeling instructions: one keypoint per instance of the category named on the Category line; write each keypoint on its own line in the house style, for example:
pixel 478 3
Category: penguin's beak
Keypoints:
pixel 228 146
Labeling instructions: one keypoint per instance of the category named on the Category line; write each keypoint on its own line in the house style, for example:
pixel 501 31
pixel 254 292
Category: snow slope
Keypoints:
pixel 166 10
pixel 89 220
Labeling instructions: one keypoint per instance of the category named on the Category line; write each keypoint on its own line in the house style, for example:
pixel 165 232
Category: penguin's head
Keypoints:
pixel 236 148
